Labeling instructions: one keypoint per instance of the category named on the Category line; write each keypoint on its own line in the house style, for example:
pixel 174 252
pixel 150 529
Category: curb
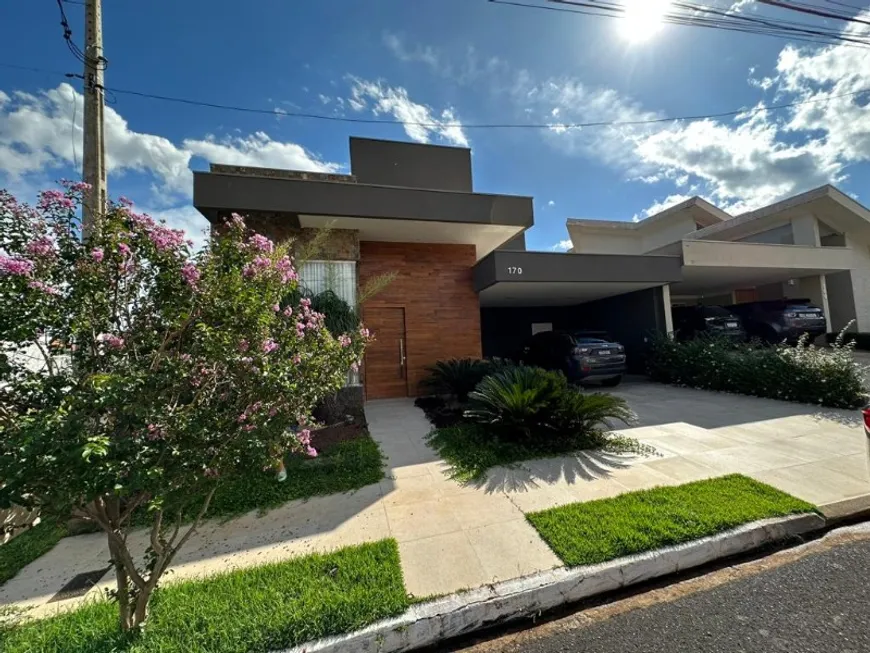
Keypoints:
pixel 459 614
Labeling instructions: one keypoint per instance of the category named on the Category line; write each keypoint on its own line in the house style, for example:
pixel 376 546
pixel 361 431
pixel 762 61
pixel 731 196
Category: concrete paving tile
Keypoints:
pixel 541 498
pixel 746 458
pixel 681 469
pixel 642 477
pixel 414 521
pixel 474 510
pixel 511 550
pixel 441 565
pixel 411 489
pixel 854 465
pixel 844 441
pixel 591 490
pixel 813 482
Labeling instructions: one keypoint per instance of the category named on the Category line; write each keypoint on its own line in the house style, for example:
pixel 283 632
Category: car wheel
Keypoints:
pixel 611 383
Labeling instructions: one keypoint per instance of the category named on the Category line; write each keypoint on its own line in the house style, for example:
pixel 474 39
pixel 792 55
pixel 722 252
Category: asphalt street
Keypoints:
pixel 815 598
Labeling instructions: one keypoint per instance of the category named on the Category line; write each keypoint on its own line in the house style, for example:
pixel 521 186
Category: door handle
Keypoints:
pixel 402 355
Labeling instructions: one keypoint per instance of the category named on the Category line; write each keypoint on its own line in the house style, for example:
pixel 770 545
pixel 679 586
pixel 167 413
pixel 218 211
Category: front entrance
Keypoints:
pixel 386 369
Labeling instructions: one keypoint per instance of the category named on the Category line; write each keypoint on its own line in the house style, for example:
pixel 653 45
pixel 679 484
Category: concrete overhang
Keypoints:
pixel 827 203
pixel 506 278
pixel 381 213
pixel 711 267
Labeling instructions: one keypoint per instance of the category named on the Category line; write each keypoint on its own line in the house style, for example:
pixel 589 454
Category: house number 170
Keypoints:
pixel 515 270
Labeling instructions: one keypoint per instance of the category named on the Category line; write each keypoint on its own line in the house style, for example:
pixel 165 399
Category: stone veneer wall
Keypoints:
pixel 342 244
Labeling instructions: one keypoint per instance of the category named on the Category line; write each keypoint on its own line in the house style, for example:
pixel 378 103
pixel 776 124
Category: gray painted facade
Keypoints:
pixel 504 266
pixel 410 165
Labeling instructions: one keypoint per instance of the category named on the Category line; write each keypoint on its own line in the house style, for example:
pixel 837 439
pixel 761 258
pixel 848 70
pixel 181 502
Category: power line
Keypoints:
pixel 814 11
pixel 694 15
pixel 441 125
pixel 435 125
pixel 98 63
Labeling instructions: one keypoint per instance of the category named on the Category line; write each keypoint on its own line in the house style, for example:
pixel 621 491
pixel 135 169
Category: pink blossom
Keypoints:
pixel 344 340
pixel 21 267
pixel 41 247
pixel 166 239
pixel 365 333
pixel 191 274
pixel 53 200
pixel 76 186
pixel 305 302
pixel 247 360
pixel 124 249
pixel 297 359
pixel 261 243
pixel 276 307
pixel 210 472
pixel 155 432
pixel 269 346
pixel 111 340
pixel 185 358
pixel 285 268
pixel 273 411
pixel 258 265
pixel 354 366
pixel 39 285
pixel 97 254
pixel 123 201
pixel 243 417
pixel 243 345
pixel 249 427
pixel 238 220
pixel 288 312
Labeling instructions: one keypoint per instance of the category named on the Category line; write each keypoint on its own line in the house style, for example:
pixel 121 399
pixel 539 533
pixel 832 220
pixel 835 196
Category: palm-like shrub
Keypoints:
pixel 457 376
pixel 526 403
pixel 517 399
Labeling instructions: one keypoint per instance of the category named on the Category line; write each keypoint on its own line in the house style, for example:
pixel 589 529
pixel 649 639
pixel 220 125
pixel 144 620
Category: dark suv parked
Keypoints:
pixel 582 355
pixel 781 319
pixel 692 321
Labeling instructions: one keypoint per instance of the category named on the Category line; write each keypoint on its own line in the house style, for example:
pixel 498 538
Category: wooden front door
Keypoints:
pixel 386 369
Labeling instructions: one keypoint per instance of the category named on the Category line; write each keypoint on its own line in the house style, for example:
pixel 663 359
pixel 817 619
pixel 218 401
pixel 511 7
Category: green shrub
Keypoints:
pixel 860 340
pixel 803 373
pixel 457 376
pixel 338 316
pixel 524 403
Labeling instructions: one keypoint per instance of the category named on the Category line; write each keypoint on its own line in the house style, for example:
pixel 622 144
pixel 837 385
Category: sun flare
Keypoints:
pixel 642 19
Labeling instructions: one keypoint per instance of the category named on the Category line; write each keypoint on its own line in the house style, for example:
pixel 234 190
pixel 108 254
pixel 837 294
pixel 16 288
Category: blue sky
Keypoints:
pixel 450 62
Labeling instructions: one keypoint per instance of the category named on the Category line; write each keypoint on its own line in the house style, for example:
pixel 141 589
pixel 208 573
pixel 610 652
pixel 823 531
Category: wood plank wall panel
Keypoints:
pixel 434 286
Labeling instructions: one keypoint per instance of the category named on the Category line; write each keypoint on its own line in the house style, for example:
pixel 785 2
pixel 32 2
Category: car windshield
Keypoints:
pixel 584 340
pixel 715 311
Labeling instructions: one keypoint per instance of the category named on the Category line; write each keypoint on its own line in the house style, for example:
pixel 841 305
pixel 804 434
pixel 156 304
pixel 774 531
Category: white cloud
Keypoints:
pixel 466 69
pixel 551 203
pixel 660 205
pixel 562 246
pixel 38 136
pixel 420 122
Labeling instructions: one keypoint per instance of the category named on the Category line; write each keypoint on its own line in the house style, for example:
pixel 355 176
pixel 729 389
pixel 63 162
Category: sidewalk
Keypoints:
pixel 454 537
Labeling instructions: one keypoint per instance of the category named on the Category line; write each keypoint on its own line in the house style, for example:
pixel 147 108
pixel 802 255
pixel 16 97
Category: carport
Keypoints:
pixel 525 292
pixel 725 272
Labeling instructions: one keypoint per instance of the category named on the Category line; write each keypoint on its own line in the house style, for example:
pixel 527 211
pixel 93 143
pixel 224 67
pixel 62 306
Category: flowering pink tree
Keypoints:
pixel 161 373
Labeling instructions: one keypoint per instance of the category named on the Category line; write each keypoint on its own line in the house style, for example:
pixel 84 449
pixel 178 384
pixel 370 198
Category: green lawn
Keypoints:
pixel 471 449
pixel 348 466
pixel 254 610
pixel 596 531
pixel 27 547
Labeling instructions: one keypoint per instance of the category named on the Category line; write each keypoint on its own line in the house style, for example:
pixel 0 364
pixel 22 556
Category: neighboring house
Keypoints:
pixel 466 287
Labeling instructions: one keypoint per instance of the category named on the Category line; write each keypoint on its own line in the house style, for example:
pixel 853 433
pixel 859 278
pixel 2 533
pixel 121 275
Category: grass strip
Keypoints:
pixel 597 531
pixel 254 610
pixel 20 551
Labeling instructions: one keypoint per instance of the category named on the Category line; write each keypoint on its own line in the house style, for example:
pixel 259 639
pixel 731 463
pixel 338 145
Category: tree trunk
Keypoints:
pixel 122 580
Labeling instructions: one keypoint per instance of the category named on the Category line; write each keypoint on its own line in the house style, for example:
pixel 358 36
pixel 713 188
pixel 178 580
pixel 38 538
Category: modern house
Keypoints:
pixel 466 286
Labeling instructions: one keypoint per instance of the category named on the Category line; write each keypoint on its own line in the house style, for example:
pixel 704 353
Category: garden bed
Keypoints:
pixel 596 531
pixel 499 414
pixel 804 374
pixel 254 610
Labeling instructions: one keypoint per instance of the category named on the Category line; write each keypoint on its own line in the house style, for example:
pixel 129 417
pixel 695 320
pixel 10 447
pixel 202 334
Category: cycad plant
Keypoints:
pixel 457 376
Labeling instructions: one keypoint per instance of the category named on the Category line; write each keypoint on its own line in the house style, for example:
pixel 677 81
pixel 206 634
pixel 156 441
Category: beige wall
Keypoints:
pixel 623 241
pixel 673 232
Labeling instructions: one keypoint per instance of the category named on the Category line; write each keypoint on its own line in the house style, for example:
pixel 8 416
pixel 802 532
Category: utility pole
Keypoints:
pixel 94 155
